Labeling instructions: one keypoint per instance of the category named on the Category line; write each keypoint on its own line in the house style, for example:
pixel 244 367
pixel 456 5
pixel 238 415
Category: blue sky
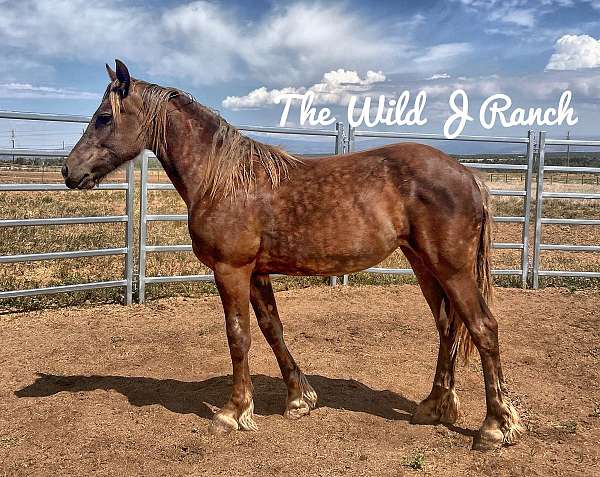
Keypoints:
pixel 53 53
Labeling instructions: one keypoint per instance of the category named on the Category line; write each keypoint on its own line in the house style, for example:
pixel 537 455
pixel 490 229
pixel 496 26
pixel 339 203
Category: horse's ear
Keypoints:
pixel 111 73
pixel 123 77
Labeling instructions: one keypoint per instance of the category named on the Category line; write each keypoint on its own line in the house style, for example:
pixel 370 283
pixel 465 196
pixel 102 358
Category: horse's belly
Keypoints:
pixel 326 251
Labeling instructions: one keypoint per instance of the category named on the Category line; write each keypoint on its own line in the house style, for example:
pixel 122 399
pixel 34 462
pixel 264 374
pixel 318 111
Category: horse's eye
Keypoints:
pixel 103 119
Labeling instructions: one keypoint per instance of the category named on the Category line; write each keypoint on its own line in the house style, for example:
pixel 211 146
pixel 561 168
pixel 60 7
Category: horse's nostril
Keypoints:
pixel 64 171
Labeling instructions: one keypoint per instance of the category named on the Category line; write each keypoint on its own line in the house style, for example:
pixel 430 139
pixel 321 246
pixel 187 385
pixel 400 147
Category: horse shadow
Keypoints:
pixel 201 397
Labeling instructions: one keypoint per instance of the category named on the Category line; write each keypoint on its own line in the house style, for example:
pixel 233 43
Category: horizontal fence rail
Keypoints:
pixel 144 248
pixel 126 251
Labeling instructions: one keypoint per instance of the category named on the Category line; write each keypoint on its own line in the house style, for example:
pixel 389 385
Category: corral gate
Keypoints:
pixel 525 193
pixel 540 220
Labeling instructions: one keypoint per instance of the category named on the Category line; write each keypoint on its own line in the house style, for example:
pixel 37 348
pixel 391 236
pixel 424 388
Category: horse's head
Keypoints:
pixel 112 136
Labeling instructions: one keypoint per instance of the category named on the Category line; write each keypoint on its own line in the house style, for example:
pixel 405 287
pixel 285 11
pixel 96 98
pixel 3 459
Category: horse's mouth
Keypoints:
pixel 87 182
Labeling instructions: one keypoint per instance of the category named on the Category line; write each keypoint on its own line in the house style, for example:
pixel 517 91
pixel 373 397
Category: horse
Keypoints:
pixel 256 210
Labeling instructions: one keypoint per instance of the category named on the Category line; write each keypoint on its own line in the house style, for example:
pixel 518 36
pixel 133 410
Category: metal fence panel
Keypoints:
pixel 127 219
pixel 126 251
pixel 343 144
pixel 540 220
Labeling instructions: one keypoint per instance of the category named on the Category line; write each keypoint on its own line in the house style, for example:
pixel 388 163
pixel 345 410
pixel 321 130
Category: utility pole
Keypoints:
pixel 12 140
pixel 568 153
pixel 568 149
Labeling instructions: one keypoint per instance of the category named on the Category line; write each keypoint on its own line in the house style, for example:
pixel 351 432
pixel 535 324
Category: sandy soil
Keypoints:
pixel 115 390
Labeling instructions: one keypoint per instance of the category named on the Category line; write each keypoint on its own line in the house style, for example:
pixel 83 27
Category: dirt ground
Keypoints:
pixel 115 390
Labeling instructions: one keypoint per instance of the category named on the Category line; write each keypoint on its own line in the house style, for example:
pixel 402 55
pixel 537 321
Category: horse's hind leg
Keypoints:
pixel 442 405
pixel 301 397
pixel 501 424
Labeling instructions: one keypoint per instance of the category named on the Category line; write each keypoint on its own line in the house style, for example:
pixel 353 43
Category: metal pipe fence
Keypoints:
pixel 136 271
pixel 524 219
pixel 126 251
pixel 540 220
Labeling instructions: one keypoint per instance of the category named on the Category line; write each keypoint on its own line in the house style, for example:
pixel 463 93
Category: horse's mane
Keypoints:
pixel 230 165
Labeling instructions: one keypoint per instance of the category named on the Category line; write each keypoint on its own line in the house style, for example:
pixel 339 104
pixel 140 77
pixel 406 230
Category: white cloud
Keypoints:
pixel 209 42
pixel 520 14
pixel 26 90
pixel 335 87
pixel 536 87
pixel 442 55
pixel 523 17
pixel 202 41
pixel 258 98
pixel 514 12
pixel 478 87
pixel 438 76
pixel 574 52
pixel 341 77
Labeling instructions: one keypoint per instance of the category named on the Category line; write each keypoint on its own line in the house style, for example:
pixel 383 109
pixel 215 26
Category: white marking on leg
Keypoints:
pixel 246 420
pixel 308 393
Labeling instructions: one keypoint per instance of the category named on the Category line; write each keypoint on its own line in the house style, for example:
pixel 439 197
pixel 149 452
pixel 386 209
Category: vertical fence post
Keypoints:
pixel 143 227
pixel 538 209
pixel 527 209
pixel 129 201
pixel 339 149
pixel 349 149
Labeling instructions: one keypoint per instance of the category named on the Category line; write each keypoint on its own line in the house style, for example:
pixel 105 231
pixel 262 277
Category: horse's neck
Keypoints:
pixel 188 142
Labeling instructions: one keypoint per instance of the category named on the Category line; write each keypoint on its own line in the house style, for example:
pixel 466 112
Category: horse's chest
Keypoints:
pixel 224 238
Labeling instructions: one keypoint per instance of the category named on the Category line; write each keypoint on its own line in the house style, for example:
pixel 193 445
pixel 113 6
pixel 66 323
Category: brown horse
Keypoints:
pixel 255 209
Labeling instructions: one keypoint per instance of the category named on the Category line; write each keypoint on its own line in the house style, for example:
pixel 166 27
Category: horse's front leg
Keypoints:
pixel 233 284
pixel 301 397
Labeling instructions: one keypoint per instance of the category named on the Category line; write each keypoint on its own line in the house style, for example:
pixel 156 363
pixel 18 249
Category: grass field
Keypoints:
pixel 21 240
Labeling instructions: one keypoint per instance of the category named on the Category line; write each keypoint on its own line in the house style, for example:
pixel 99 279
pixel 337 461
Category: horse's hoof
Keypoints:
pixel 488 439
pixel 425 414
pixel 441 409
pixel 222 424
pixel 424 419
pixel 296 409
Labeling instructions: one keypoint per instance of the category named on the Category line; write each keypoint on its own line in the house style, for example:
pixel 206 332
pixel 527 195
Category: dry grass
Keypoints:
pixel 79 237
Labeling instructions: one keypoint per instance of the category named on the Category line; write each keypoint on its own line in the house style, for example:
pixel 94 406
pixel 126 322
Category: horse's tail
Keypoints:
pixel 483 268
pixel 483 271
